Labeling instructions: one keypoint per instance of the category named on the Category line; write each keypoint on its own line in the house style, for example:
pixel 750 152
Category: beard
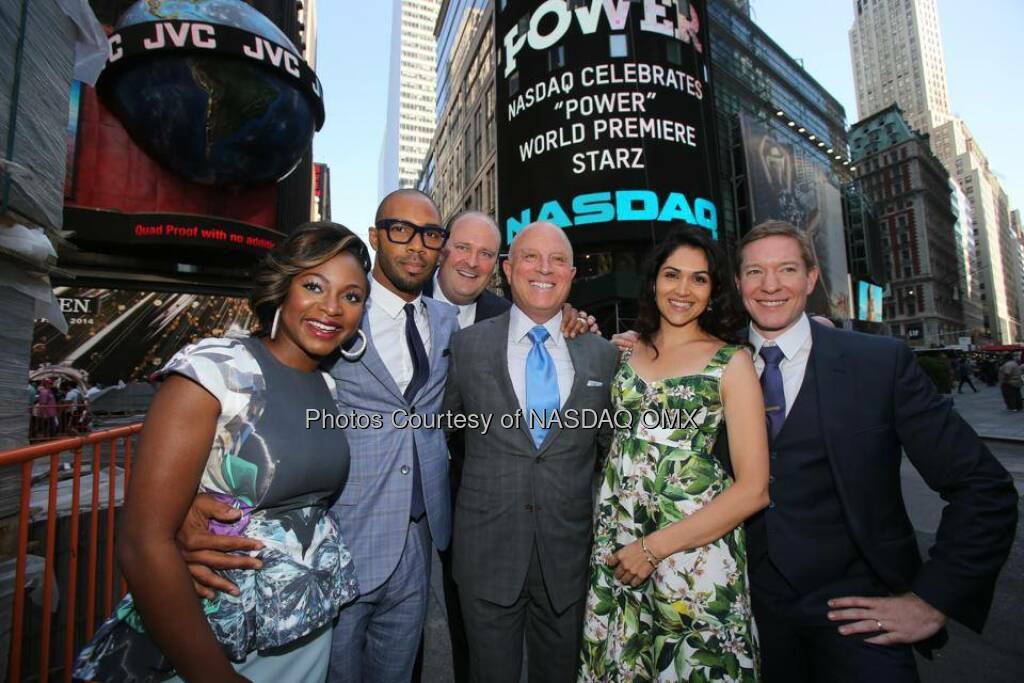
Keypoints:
pixel 402 281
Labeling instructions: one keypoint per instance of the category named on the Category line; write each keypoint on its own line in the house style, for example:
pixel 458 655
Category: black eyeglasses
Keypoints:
pixel 402 232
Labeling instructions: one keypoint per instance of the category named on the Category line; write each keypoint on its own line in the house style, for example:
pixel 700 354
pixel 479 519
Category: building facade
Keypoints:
pixel 321 209
pixel 896 50
pixel 999 263
pixel 409 127
pixel 967 263
pixel 753 80
pixel 911 189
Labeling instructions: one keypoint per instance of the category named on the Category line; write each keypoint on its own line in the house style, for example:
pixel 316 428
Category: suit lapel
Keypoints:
pixel 499 345
pixel 435 316
pixel 838 400
pixel 837 392
pixel 371 360
pixel 581 370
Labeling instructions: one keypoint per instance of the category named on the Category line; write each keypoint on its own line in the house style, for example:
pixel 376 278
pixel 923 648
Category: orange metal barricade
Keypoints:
pixel 44 630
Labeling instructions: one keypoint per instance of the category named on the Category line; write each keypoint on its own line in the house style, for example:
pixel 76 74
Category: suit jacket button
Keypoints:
pixel 529 508
pixel 771 504
pixel 771 478
pixel 405 469
pixel 412 410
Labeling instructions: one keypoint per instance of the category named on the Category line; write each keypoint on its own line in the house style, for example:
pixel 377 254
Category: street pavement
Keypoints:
pixel 994 656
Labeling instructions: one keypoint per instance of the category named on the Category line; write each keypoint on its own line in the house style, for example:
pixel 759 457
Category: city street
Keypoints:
pixel 995 656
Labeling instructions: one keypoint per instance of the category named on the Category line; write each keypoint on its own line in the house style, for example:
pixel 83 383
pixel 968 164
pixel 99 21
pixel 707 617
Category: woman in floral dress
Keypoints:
pixel 229 420
pixel 668 597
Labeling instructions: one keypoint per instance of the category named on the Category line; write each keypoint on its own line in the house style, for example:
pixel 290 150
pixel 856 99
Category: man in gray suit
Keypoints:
pixel 523 517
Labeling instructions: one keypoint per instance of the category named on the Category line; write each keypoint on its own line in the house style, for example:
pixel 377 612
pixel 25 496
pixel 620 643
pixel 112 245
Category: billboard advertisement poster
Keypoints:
pixel 869 302
pixel 120 334
pixel 791 184
pixel 604 118
pixel 118 198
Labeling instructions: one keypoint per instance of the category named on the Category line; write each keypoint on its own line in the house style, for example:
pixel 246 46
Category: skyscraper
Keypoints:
pixel 896 47
pixel 999 259
pixel 411 86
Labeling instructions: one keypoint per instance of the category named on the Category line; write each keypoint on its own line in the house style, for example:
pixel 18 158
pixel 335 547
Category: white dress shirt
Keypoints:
pixel 467 312
pixel 795 344
pixel 387 328
pixel 519 346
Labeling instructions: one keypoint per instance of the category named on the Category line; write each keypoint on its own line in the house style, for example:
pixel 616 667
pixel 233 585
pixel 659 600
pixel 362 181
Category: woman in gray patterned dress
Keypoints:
pixel 230 420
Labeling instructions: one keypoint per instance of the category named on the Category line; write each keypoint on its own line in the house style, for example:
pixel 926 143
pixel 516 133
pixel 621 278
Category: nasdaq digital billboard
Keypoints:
pixel 604 117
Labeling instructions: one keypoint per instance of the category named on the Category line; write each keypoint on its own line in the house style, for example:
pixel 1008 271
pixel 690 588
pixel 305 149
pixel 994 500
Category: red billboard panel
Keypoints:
pixel 115 187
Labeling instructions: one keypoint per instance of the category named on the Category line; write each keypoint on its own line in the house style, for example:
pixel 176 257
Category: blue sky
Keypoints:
pixel 981 39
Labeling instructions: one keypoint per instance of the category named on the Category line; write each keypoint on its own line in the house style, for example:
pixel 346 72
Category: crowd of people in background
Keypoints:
pixel 1004 370
pixel 61 407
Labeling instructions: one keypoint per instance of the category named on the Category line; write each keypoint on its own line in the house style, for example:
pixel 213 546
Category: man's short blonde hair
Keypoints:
pixel 777 229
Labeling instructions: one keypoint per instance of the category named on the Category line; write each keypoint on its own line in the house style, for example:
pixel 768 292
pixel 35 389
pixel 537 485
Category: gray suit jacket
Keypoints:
pixel 514 495
pixel 374 505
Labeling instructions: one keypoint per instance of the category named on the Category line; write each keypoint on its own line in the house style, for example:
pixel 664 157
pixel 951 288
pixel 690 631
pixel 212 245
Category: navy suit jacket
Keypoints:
pixel 875 404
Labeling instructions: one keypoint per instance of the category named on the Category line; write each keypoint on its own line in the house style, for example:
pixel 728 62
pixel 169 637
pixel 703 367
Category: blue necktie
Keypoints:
pixel 541 385
pixel 771 385
pixel 420 372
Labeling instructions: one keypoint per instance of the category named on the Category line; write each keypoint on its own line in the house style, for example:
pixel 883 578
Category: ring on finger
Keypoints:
pixel 879 624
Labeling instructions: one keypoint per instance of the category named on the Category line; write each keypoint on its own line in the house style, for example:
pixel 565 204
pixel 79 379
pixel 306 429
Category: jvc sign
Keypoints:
pixel 604 117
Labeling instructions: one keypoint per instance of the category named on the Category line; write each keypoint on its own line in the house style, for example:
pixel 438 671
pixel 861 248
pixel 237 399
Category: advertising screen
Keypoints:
pixel 791 184
pixel 869 302
pixel 119 334
pixel 604 117
pixel 117 198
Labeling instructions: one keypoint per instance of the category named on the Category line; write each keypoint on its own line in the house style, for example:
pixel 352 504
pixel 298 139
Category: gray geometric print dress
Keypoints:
pixel 284 477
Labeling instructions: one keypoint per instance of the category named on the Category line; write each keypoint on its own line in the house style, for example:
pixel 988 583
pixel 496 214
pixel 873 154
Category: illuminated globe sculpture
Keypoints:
pixel 212 90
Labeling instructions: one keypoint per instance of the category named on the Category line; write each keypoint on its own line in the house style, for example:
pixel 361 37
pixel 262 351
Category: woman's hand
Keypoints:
pixel 624 341
pixel 632 566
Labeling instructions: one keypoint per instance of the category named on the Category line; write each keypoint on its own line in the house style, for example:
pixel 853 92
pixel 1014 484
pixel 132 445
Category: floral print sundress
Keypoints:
pixel 691 620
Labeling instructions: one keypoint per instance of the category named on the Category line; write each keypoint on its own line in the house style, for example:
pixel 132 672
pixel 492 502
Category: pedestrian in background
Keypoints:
pixel 963 371
pixel 1009 383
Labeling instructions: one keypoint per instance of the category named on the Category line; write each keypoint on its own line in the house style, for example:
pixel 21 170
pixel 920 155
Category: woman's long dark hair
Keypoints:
pixel 723 318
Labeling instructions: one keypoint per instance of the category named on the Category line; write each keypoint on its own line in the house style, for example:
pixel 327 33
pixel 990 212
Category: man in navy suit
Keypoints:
pixel 838 587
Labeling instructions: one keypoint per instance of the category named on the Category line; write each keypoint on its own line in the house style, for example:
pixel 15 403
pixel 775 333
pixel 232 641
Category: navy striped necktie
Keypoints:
pixel 774 393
